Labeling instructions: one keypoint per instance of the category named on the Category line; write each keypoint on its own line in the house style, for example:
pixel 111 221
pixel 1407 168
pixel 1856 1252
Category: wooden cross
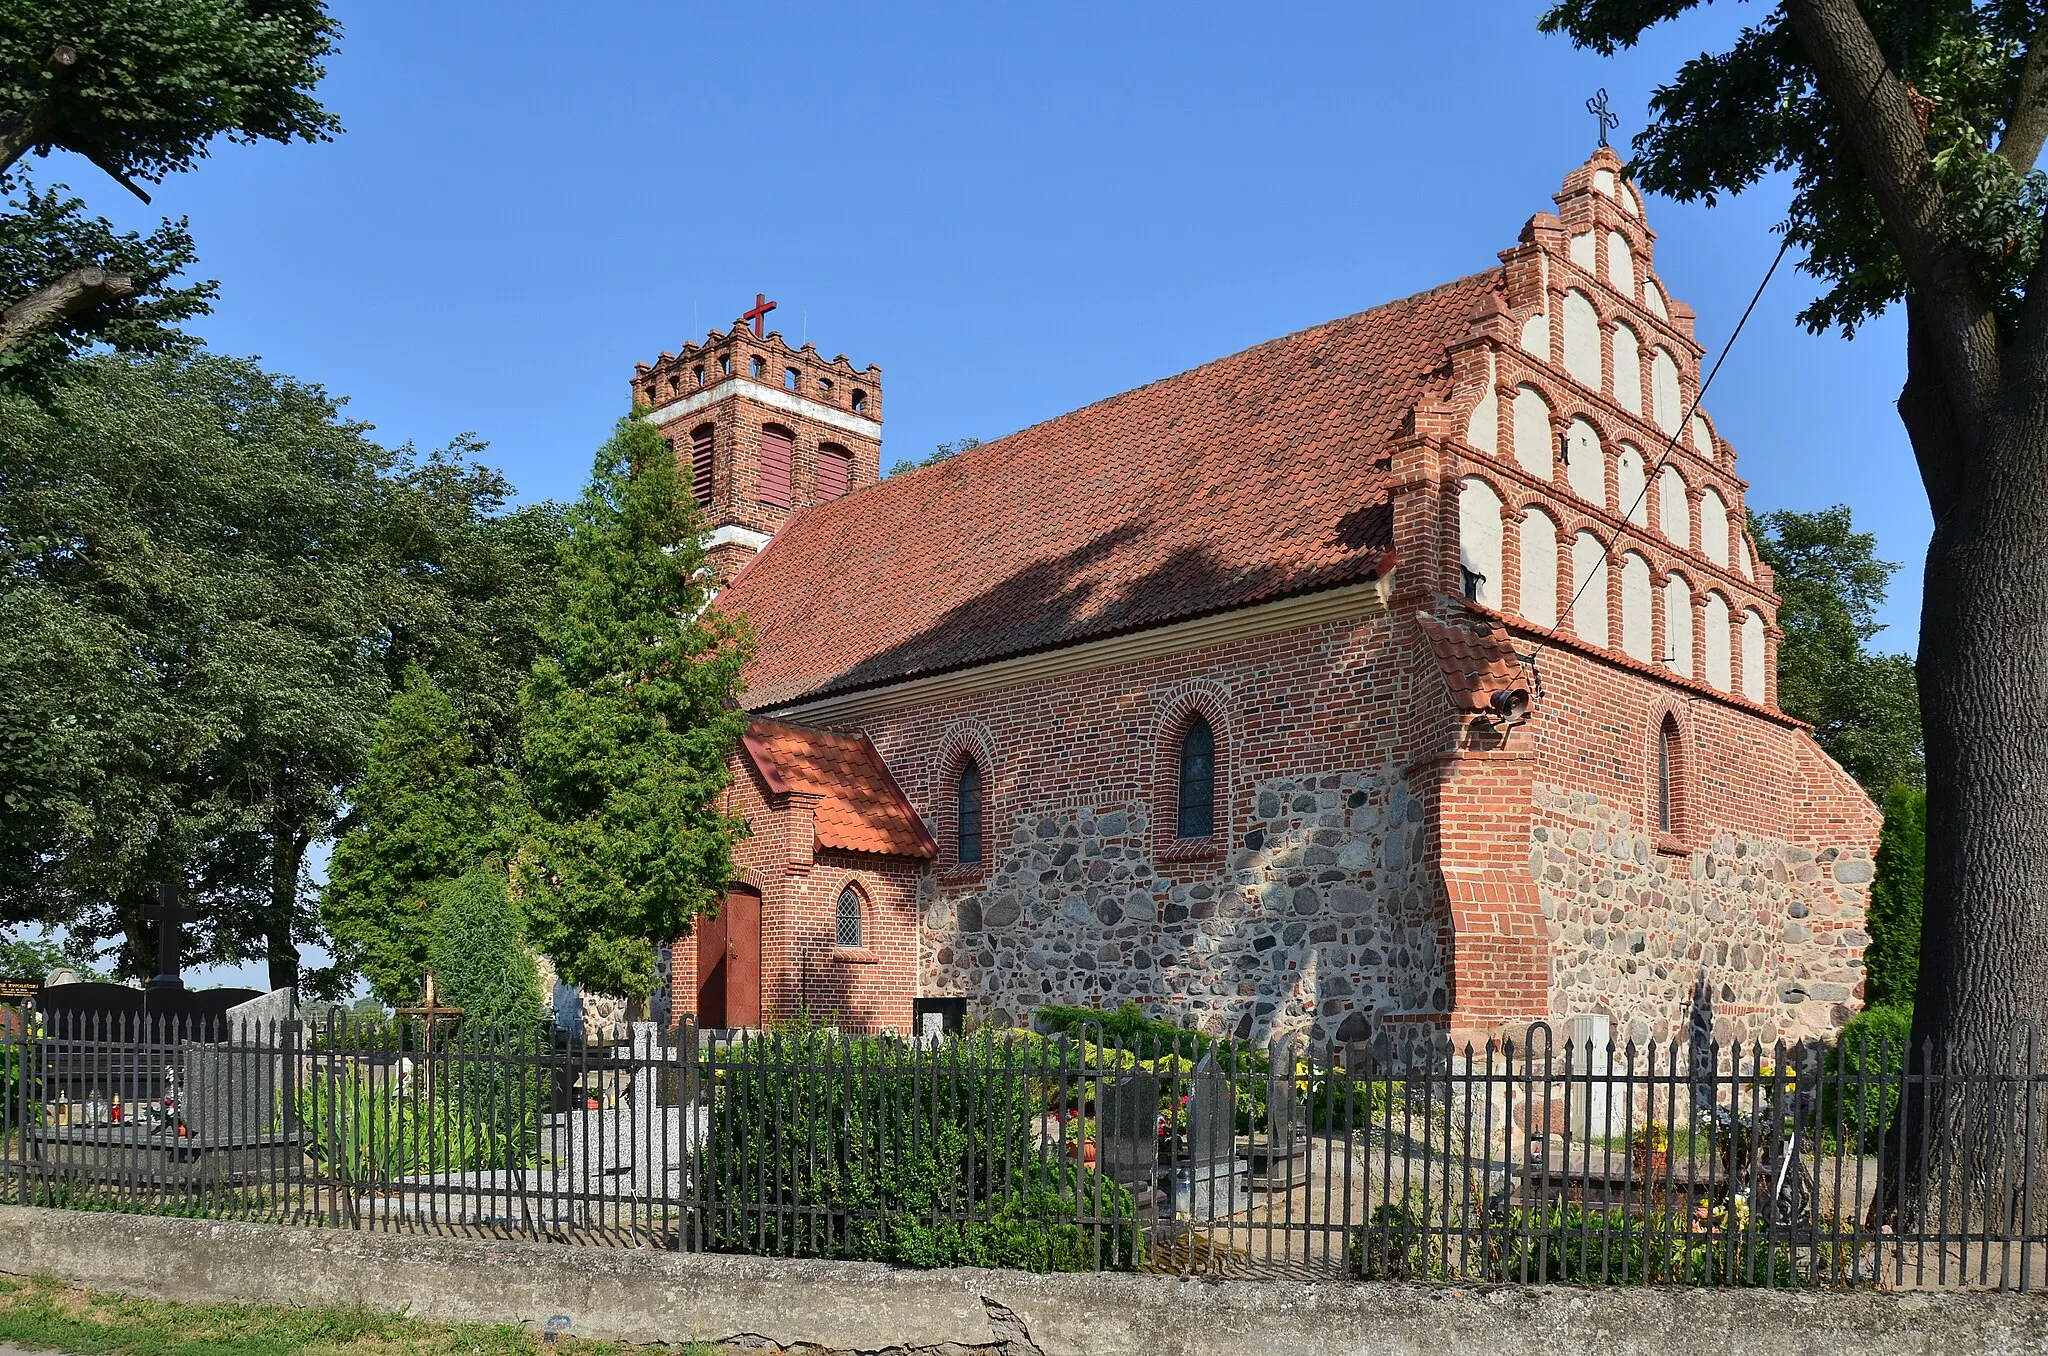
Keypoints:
pixel 169 917
pixel 430 1009
pixel 762 306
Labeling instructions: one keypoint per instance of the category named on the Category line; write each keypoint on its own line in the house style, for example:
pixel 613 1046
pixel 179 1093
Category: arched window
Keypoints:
pixel 860 401
pixel 777 444
pixel 698 373
pixel 967 821
pixel 1197 807
pixel 757 366
pixel 1667 776
pixel 702 449
pixel 835 470
pixel 790 378
pixel 725 365
pixel 850 928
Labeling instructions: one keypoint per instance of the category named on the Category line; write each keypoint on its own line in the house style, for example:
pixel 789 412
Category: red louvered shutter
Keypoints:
pixel 835 471
pixel 700 465
pixel 775 458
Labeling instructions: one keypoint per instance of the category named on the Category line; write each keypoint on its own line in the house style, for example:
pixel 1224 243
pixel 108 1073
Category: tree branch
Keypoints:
pixel 19 136
pixel 77 291
pixel 1961 326
pixel 2027 127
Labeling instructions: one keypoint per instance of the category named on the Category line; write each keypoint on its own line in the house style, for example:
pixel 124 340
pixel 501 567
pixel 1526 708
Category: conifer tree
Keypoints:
pixel 422 816
pixel 627 723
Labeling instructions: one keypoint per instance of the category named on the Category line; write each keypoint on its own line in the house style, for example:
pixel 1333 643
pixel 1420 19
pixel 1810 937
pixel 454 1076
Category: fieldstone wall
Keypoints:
pixel 1777 927
pixel 1318 918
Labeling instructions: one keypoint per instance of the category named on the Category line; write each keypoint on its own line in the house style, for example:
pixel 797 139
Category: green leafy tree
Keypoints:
pixel 139 88
pixel 481 961
pixel 1864 707
pixel 1897 893
pixel 1910 131
pixel 202 567
pixel 629 718
pixel 943 452
pixel 423 814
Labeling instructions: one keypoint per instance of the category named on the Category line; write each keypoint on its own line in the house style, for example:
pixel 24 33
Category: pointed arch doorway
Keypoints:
pixel 729 962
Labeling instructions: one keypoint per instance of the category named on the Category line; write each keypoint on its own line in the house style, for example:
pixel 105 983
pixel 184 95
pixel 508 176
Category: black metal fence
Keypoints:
pixel 1533 1161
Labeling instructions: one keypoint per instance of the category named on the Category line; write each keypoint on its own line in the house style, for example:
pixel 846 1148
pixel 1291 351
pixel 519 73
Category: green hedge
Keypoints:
pixel 1872 1044
pixel 869 1149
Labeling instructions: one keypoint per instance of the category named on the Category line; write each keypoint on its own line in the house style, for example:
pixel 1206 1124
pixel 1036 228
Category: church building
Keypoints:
pixel 1415 669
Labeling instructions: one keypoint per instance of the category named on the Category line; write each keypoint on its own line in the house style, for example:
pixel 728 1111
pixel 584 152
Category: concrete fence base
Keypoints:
pixel 826 1308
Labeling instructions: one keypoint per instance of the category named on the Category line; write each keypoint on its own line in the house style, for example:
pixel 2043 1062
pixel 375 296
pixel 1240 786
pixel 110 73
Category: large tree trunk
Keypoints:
pixel 288 857
pixel 1983 677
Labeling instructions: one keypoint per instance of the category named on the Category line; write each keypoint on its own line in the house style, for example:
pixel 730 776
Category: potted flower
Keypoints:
pixel 1079 1133
pixel 1649 1152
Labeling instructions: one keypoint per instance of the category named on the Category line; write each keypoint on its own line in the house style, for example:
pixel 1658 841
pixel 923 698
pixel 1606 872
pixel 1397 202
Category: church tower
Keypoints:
pixel 764 430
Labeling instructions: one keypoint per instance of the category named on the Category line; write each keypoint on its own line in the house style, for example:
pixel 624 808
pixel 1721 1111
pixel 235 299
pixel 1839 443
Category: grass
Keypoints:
pixel 48 1315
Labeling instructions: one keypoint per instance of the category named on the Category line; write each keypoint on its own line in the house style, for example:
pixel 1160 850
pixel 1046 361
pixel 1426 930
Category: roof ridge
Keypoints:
pixel 958 458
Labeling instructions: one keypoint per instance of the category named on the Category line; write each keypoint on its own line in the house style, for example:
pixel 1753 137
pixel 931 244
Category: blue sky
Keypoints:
pixel 1014 209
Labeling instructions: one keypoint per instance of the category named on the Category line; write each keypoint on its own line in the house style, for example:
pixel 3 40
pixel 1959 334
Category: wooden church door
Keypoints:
pixel 729 962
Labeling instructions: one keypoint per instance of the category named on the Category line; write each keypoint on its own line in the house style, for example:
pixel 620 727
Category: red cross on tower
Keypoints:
pixel 762 306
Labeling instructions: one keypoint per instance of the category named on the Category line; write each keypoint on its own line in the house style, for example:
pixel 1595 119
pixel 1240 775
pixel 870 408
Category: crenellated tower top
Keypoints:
pixel 765 430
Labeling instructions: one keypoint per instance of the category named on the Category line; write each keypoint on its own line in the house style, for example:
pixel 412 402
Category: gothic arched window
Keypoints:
pixel 849 931
pixel 968 816
pixel 1197 807
pixel 1667 776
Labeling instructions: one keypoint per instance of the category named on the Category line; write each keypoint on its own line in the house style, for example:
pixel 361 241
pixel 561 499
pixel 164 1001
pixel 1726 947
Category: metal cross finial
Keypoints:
pixel 762 306
pixel 1597 106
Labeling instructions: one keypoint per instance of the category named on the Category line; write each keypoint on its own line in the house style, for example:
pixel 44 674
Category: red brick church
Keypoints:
pixel 1415 668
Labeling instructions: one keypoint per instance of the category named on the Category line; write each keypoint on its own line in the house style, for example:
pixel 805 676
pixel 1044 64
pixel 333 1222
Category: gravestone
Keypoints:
pixel 1127 1135
pixel 1276 1153
pixel 240 1091
pixel 1211 1182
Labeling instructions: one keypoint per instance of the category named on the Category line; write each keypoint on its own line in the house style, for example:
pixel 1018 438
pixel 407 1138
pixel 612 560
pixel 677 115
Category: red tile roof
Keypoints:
pixel 1249 478
pixel 1476 656
pixel 860 807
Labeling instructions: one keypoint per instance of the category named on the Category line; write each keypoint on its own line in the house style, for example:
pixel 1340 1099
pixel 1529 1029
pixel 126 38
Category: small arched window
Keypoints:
pixel 967 795
pixel 1667 776
pixel 790 378
pixel 1197 808
pixel 757 366
pixel 725 365
pixel 849 929
pixel 860 401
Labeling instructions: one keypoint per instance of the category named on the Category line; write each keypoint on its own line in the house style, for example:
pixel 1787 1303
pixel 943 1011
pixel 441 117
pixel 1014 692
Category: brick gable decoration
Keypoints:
pixel 1438 576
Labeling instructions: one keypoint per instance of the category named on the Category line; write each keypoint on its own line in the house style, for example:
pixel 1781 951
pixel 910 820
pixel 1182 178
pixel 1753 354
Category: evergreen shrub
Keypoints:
pixel 873 1150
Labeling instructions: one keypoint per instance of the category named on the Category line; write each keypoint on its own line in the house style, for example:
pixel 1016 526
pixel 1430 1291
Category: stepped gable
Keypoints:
pixel 1250 478
pixel 860 808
